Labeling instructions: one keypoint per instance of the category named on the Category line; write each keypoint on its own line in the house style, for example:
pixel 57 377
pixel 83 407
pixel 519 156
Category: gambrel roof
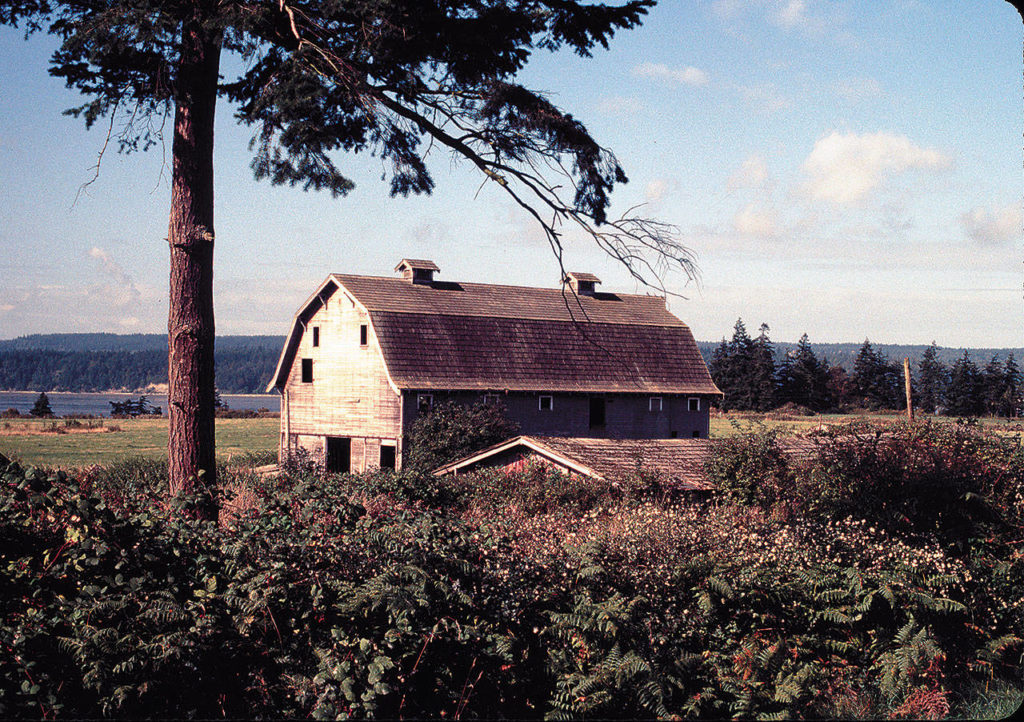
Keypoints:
pixel 475 336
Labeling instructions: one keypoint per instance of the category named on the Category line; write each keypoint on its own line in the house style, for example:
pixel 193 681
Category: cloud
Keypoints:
pixel 844 168
pixel 681 76
pixel 994 226
pixel 656 190
pixel 792 14
pixel 123 291
pixel 755 220
pixel 764 98
pixel 620 105
pixel 752 174
pixel 859 89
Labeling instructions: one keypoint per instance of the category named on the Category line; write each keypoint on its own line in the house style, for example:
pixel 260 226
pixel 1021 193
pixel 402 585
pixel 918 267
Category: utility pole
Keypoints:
pixel 906 380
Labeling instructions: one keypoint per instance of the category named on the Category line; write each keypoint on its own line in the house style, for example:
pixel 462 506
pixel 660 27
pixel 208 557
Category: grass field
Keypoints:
pixel 55 443
pixel 102 441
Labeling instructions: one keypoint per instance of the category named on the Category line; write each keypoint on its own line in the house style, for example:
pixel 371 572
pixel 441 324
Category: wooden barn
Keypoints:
pixel 367 355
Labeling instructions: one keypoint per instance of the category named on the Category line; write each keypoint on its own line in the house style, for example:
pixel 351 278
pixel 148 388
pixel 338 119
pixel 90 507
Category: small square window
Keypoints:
pixel 696 434
pixel 316 335
pixel 693 404
pixel 654 403
pixel 492 399
pixel 424 402
pixel 362 334
pixel 307 370
pixel 545 403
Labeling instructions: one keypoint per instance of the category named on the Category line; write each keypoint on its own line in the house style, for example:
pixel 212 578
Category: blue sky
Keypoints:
pixel 844 169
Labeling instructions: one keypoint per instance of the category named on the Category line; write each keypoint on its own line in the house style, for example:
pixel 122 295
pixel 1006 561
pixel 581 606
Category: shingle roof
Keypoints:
pixel 677 460
pixel 432 351
pixel 469 336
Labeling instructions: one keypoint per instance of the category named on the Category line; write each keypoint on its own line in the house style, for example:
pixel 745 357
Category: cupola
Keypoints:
pixel 417 270
pixel 582 284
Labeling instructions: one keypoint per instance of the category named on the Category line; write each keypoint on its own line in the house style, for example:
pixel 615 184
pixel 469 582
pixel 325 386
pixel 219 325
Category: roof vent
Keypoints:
pixel 582 284
pixel 417 270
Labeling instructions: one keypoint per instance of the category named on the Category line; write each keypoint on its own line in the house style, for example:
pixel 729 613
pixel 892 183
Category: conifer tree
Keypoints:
pixel 1012 398
pixel 993 384
pixel 803 379
pixel 42 409
pixel 964 396
pixel 318 79
pixel 763 371
pixel 930 384
pixel 875 383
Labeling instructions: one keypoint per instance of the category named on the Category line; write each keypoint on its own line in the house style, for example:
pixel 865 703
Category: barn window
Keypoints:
pixel 545 403
pixel 424 402
pixel 696 434
pixel 307 370
pixel 693 404
pixel 654 403
pixel 491 399
pixel 362 334
pixel 387 456
pixel 316 335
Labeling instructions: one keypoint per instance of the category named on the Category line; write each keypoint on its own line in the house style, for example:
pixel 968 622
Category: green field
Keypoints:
pixel 54 443
pixel 41 442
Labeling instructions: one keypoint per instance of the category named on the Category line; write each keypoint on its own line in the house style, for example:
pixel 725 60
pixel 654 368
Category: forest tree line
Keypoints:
pixel 239 370
pixel 746 370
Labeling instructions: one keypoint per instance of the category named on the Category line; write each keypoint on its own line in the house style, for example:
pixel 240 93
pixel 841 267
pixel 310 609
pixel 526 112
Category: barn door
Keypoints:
pixel 597 412
pixel 339 455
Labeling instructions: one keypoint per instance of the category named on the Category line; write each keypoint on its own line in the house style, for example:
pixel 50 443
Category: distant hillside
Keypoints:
pixel 844 354
pixel 106 361
pixel 131 343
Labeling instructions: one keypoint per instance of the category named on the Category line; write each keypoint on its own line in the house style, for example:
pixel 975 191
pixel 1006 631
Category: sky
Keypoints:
pixel 847 170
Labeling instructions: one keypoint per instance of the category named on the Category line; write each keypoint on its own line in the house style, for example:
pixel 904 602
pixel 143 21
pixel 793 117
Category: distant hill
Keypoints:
pixel 844 354
pixel 131 343
pixel 107 361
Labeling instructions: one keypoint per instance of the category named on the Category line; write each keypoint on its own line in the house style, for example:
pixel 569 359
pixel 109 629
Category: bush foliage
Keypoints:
pixel 404 596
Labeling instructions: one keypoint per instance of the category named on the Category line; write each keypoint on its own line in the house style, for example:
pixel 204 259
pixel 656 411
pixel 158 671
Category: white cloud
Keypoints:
pixel 792 14
pixel 123 291
pixel 752 174
pixel 682 76
pixel 755 220
pixel 844 168
pixel 620 105
pixel 858 89
pixel 994 226
pixel 764 98
pixel 656 190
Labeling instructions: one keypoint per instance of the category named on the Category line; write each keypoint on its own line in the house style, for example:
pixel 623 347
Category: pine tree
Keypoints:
pixel 1012 398
pixel 803 379
pixel 42 407
pixel 875 383
pixel 931 381
pixel 993 386
pixel 315 79
pixel 762 371
pixel 964 395
pixel 718 367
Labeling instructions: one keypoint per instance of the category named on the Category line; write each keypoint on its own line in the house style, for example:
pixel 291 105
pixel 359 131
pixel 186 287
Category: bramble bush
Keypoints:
pixel 522 596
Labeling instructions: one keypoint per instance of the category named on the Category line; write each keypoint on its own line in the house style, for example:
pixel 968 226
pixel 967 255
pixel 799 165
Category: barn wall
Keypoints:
pixel 349 395
pixel 627 416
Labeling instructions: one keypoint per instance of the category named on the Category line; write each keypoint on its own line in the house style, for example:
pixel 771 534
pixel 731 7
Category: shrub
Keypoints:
pixel 450 431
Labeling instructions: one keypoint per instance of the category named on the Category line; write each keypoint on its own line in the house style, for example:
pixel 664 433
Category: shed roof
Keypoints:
pixel 470 336
pixel 677 460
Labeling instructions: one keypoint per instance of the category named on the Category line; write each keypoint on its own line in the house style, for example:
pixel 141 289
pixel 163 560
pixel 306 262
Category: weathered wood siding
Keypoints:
pixel 349 396
pixel 627 416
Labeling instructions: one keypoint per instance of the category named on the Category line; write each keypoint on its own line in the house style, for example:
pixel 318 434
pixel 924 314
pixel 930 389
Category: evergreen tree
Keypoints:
pixel 314 79
pixel 763 371
pixel 993 386
pixel 964 395
pixel 803 379
pixel 1011 401
pixel 930 385
pixel 42 407
pixel 875 383
pixel 718 367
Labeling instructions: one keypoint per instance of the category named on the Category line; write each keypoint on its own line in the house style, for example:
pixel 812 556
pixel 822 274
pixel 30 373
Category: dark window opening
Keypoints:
pixel 545 403
pixel 387 457
pixel 307 370
pixel 693 404
pixel 675 434
pixel 339 455
pixel 316 335
pixel 654 403
pixel 696 434
pixel 597 415
pixel 424 403
pixel 362 335
pixel 492 399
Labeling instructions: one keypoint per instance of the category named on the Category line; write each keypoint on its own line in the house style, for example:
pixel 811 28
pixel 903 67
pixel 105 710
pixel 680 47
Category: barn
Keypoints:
pixel 366 355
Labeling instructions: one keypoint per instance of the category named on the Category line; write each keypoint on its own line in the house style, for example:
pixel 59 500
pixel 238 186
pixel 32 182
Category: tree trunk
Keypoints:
pixel 190 323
